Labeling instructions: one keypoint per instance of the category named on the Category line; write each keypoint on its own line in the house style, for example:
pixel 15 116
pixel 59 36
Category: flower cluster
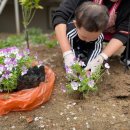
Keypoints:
pixel 82 81
pixel 13 63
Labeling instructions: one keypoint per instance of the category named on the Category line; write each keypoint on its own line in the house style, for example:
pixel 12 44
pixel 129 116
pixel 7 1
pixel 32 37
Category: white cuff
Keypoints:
pixel 104 56
pixel 67 53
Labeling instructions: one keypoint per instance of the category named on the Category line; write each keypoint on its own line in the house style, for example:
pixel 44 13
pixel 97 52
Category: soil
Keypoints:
pixel 106 109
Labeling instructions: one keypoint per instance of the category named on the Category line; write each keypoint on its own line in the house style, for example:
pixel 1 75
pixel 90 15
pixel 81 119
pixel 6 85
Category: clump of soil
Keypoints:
pixel 32 79
pixel 77 95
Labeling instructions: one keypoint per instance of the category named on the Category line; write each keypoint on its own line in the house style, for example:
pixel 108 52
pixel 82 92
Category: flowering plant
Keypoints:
pixel 13 64
pixel 81 81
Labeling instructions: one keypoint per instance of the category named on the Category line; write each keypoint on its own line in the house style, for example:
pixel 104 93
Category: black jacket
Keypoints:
pixel 65 13
pixel 85 51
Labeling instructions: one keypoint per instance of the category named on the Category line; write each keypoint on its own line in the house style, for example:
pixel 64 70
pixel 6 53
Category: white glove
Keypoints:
pixel 95 63
pixel 69 57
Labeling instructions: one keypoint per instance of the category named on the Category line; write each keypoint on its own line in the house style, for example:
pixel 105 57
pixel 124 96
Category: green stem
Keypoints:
pixel 28 15
pixel 32 16
pixel 26 37
pixel 99 77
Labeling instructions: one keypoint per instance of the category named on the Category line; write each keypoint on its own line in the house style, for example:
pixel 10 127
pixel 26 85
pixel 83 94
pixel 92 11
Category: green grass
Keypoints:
pixel 12 40
pixel 35 37
pixel 51 43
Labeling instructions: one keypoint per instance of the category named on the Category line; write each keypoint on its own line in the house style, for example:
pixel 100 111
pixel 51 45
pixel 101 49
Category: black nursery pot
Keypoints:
pixel 32 79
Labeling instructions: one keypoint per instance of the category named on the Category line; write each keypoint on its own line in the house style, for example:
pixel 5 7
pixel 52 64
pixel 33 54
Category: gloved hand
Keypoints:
pixel 69 57
pixel 95 63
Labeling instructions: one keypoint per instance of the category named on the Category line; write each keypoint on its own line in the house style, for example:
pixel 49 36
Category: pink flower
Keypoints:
pixel 88 74
pixel 91 83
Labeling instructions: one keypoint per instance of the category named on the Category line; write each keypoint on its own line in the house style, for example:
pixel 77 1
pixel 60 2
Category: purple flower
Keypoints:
pixel 74 85
pixel 80 78
pixel 19 56
pixel 63 89
pixel 88 74
pixel 5 52
pixel 2 68
pixel 24 70
pixel 14 50
pixel 7 75
pixel 81 63
pixel 14 62
pixel 7 60
pixel 27 51
pixel 91 83
pixel 8 51
pixel 9 67
pixel 68 70
pixel 10 63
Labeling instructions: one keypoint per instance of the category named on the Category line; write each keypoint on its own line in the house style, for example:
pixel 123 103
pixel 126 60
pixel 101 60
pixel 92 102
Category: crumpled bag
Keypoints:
pixel 28 99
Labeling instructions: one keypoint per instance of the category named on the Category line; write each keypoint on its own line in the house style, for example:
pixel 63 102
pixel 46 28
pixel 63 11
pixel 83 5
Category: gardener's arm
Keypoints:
pixel 65 12
pixel 68 54
pixel 113 46
pixel 60 31
pixel 118 40
pixel 63 15
pixel 109 50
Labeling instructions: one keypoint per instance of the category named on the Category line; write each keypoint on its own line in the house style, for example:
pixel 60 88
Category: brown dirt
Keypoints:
pixel 107 109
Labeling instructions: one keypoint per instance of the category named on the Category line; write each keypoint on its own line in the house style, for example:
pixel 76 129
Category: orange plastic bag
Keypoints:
pixel 29 98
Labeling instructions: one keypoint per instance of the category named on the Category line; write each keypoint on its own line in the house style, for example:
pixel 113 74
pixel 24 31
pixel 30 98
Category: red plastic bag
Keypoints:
pixel 29 98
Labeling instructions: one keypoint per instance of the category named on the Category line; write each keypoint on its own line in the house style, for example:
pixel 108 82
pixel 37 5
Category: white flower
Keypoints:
pixel 1 79
pixel 81 63
pixel 7 60
pixel 18 56
pixel 14 50
pixel 9 67
pixel 1 53
pixel 107 66
pixel 74 85
pixel 1 69
pixel 40 64
pixel 24 70
pixel 7 54
pixel 68 70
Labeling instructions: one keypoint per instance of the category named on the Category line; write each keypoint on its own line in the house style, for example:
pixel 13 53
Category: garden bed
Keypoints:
pixel 107 109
